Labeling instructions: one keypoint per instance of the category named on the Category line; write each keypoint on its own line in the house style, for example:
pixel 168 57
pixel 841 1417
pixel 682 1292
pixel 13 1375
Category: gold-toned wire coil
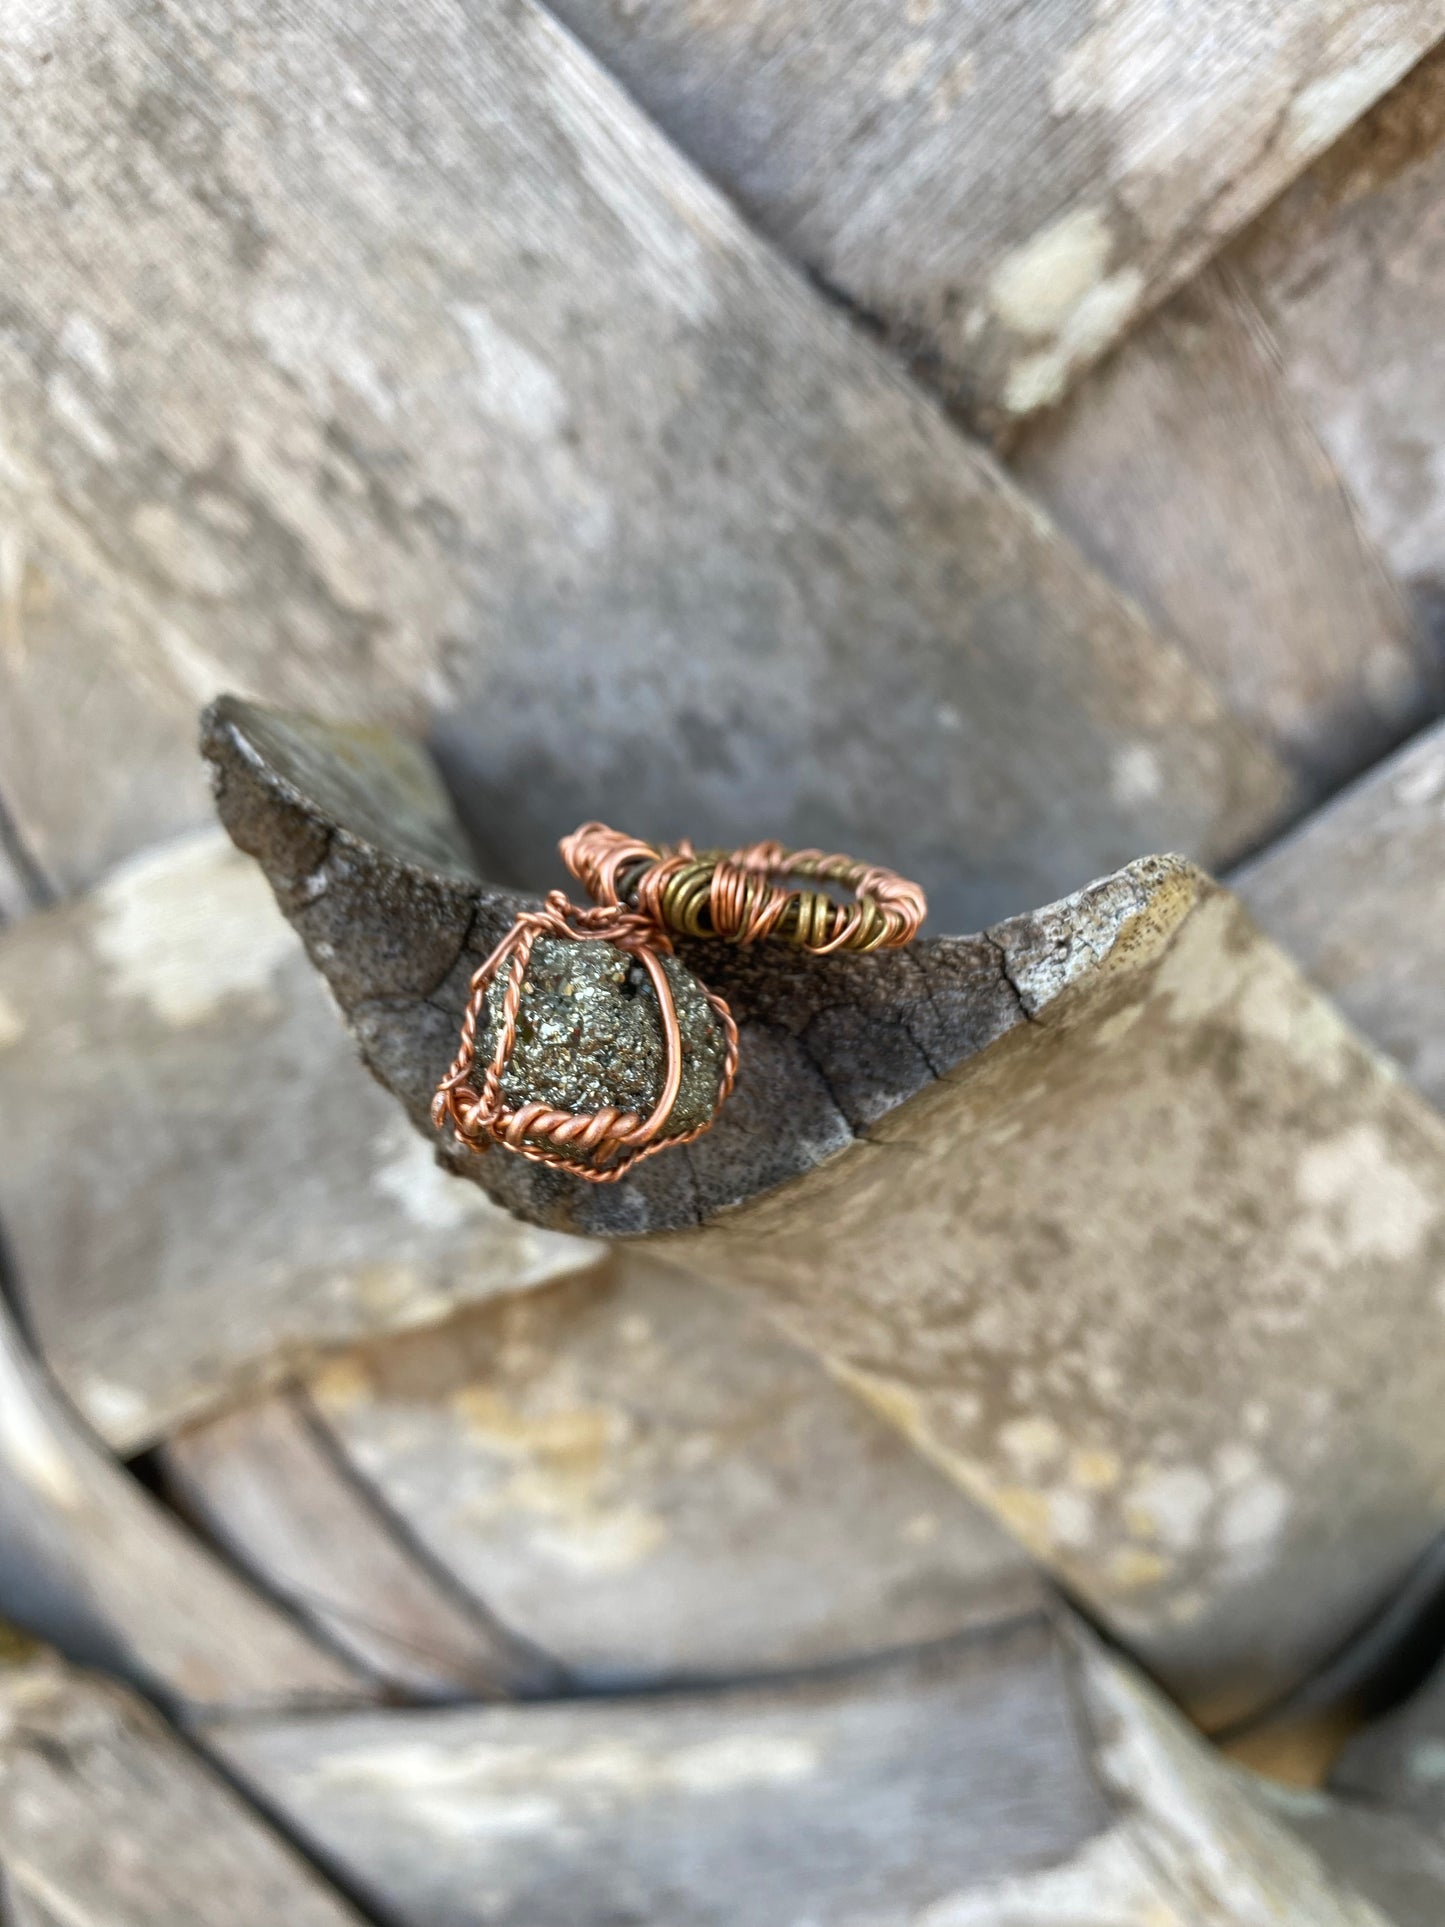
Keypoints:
pixel 600 1146
pixel 744 896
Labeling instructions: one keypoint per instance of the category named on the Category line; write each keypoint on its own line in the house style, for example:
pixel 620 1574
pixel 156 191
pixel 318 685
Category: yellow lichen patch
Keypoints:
pixel 1134 1567
pixel 341 1385
pixel 1027 1514
pixel 1094 1470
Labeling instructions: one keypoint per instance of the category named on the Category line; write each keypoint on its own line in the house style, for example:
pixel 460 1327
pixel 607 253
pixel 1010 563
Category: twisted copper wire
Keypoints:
pixel 607 1143
pixel 747 895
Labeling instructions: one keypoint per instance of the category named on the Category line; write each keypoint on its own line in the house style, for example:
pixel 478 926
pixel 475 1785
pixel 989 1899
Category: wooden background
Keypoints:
pixel 1005 440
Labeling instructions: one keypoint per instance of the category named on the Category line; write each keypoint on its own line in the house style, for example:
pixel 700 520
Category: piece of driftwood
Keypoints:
pixel 631 1468
pixel 269 1484
pixel 88 1554
pixel 108 1820
pixel 410 372
pixel 1357 894
pixel 198 1185
pixel 1002 1148
pixel 1018 1780
pixel 1005 190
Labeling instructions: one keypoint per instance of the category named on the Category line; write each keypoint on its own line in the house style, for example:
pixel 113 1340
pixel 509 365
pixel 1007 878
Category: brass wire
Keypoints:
pixel 748 895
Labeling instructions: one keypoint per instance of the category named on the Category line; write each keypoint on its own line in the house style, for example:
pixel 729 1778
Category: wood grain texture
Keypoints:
pixel 269 1486
pixel 86 1552
pixel 1348 271
pixel 1005 190
pixel 408 372
pixel 1260 463
pixel 638 1473
pixel 198 1184
pixel 1211 1140
pixel 1357 894
pixel 1187 468
pixel 1017 1780
pixel 107 1820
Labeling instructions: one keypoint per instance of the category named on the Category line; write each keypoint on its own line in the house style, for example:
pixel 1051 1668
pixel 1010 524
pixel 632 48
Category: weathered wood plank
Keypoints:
pixel 270 1486
pixel 1006 189
pixel 1357 894
pixel 107 1820
pixel 1213 1144
pixel 645 1479
pixel 280 441
pixel 1348 272
pixel 1270 442
pixel 1187 469
pixel 198 1184
pixel 1021 1780
pixel 87 1554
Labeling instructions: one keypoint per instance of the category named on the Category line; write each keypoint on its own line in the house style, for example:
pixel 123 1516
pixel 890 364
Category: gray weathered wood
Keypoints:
pixel 303 394
pixel 1399 1761
pixel 1006 189
pixel 270 1486
pixel 1357 894
pixel 1188 470
pixel 639 1474
pixel 1013 1782
pixel 107 1820
pixel 198 1184
pixel 86 1552
pixel 1213 1144
pixel 1348 272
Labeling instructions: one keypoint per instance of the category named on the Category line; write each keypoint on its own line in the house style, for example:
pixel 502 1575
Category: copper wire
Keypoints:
pixel 600 1146
pixel 749 894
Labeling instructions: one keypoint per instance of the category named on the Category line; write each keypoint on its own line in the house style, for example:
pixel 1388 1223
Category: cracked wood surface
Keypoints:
pixel 87 1553
pixel 108 1820
pixel 1017 1778
pixel 629 1467
pixel 199 1186
pixel 1130 1097
pixel 410 373
pixel 1005 189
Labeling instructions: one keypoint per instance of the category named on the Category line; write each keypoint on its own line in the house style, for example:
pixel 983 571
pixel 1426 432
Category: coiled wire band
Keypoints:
pixel 747 895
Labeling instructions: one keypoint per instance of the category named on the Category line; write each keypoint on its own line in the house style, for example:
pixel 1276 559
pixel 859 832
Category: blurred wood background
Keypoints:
pixel 1006 441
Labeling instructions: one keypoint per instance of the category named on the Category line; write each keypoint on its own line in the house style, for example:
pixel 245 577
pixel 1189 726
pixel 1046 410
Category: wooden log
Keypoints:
pixel 269 1484
pixel 632 1470
pixel 1213 1144
pixel 198 1184
pixel 108 1820
pixel 1026 1778
pixel 260 435
pixel 91 1556
pixel 1357 894
pixel 1005 191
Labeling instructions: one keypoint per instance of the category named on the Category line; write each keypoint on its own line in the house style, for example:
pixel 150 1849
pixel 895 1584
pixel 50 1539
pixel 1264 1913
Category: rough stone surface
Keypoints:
pixel 589 1035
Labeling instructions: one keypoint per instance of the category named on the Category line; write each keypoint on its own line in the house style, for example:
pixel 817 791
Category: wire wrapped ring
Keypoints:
pixel 601 1146
pixel 749 894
